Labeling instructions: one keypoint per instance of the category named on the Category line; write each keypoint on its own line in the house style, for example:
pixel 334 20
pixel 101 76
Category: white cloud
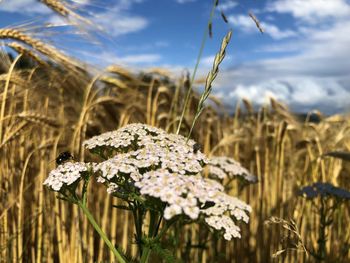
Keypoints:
pixel 227 5
pixel 300 92
pixel 24 6
pixel 316 77
pixel 185 1
pixel 207 62
pixel 115 23
pixel 246 24
pixel 275 32
pixel 312 10
pixel 81 2
pixel 141 59
pixel 118 20
pixel 284 48
pixel 106 57
pixel 31 7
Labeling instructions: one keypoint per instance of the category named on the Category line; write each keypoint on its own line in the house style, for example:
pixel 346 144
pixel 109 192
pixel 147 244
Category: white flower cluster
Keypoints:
pixel 227 168
pixel 324 190
pixel 65 174
pixel 137 136
pixel 147 148
pixel 189 195
pixel 167 167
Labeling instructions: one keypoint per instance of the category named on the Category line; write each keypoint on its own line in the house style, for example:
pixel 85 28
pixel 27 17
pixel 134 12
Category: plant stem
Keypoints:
pixel 219 57
pixel 322 233
pixel 138 218
pixel 145 255
pixel 204 39
pixel 147 250
pixel 168 224
pixel 100 232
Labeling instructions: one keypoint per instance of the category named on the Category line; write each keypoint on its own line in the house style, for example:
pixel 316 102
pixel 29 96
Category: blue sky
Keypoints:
pixel 302 59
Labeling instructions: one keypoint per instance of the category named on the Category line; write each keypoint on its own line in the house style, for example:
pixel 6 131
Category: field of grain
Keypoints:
pixel 51 103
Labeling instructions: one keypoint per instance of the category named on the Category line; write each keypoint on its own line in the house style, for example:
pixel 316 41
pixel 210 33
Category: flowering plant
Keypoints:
pixel 326 199
pixel 154 173
pixel 158 176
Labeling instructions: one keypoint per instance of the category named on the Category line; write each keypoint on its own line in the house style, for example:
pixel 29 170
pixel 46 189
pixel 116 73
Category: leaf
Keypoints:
pixel 165 254
pixel 340 155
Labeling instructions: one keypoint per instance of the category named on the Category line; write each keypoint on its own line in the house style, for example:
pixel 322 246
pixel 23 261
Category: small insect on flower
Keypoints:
pixel 197 147
pixel 64 157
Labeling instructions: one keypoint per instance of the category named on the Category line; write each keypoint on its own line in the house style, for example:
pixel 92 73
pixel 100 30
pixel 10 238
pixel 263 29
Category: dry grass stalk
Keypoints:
pixel 256 21
pixel 4 97
pixel 23 50
pixel 115 82
pixel 40 46
pixel 292 241
pixel 39 118
pixel 121 72
pixel 57 6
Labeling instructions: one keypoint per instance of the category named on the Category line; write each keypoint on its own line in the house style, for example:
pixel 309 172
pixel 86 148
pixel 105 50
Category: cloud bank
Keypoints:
pixel 314 75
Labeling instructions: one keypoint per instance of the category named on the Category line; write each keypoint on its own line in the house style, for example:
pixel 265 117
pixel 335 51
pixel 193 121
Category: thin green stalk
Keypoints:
pixel 219 57
pixel 204 39
pixel 138 219
pixel 101 233
pixel 145 255
pixel 147 250
pixel 153 218
pixel 168 224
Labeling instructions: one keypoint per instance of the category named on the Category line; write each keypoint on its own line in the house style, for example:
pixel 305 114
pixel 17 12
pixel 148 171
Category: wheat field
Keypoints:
pixel 51 103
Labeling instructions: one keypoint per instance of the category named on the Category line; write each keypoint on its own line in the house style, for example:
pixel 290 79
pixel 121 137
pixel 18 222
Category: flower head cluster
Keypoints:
pixel 324 190
pixel 147 148
pixel 166 167
pixel 138 136
pixel 65 174
pixel 227 168
pixel 195 196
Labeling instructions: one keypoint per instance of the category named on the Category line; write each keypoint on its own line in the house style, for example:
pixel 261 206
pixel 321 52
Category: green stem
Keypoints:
pixel 145 255
pixel 101 233
pixel 168 224
pixel 139 223
pixel 147 250
pixel 153 217
pixel 204 39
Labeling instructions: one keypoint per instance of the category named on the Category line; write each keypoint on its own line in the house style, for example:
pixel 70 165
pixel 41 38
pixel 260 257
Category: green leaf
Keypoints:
pixel 165 254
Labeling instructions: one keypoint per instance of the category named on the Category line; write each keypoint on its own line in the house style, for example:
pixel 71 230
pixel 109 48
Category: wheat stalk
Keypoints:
pixel 57 6
pixel 40 46
pixel 23 50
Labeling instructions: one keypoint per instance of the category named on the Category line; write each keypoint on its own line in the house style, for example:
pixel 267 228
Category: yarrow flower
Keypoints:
pixel 227 168
pixel 138 136
pixel 189 195
pixel 146 148
pixel 65 174
pixel 166 167
pixel 324 190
